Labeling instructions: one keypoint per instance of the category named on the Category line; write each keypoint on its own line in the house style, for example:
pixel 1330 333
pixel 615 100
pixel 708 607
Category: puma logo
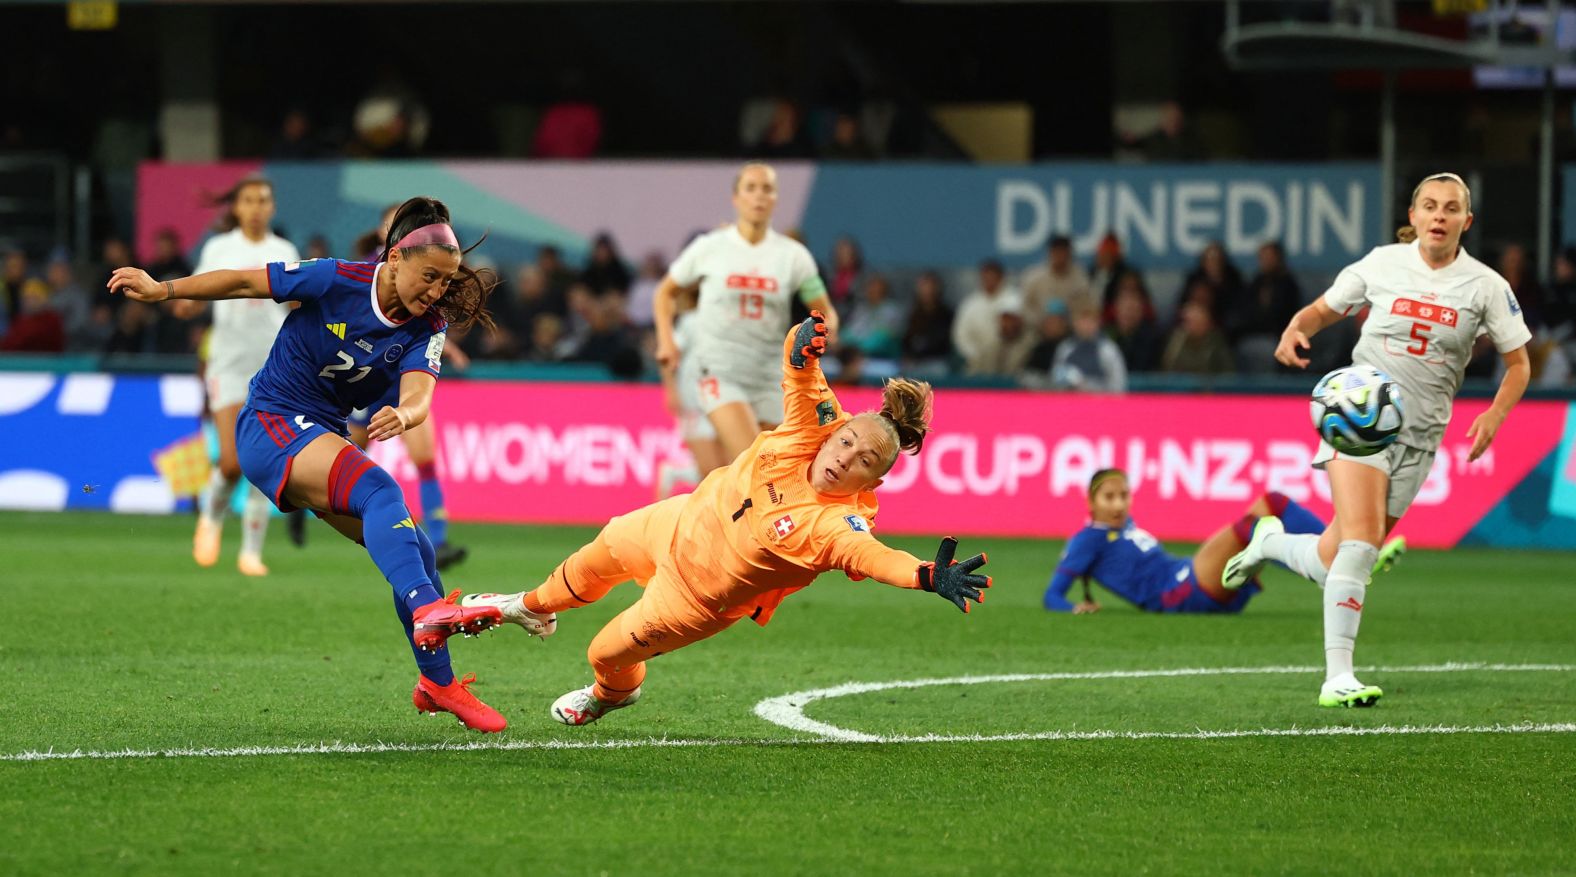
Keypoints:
pixel 1352 604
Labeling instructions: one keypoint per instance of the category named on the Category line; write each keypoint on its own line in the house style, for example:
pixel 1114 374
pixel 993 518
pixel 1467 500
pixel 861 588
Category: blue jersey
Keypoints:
pixel 338 351
pixel 1127 561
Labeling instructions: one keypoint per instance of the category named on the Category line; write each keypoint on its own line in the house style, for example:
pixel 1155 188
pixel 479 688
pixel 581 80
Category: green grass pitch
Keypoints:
pixel 113 640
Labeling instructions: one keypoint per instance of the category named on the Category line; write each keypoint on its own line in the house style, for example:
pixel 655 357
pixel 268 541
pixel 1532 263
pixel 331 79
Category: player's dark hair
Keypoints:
pixel 1102 477
pixel 907 404
pixel 465 302
pixel 228 221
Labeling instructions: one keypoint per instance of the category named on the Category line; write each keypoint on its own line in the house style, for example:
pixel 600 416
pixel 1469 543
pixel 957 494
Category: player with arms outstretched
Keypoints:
pixel 360 328
pixel 1428 302
pixel 1114 551
pixel 799 502
pixel 747 274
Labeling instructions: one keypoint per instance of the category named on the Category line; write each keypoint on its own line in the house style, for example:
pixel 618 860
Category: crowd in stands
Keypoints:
pixel 1056 324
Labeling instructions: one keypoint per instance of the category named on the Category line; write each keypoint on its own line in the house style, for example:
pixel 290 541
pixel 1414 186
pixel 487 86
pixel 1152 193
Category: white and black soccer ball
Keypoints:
pixel 1357 410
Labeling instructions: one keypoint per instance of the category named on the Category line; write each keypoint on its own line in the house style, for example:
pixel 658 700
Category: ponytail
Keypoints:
pixel 906 405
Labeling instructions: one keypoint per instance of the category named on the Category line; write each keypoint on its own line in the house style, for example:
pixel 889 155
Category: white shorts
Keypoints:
pixel 1408 468
pixel 693 423
pixel 227 386
pixel 717 391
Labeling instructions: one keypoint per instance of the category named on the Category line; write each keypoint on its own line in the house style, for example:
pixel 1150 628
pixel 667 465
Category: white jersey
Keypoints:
pixel 745 299
pixel 244 328
pixel 1422 324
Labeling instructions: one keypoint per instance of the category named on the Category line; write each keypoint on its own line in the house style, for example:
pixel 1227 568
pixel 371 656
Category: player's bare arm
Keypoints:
pixel 664 307
pixel 1518 372
pixel 415 402
pixel 1307 323
pixel 137 285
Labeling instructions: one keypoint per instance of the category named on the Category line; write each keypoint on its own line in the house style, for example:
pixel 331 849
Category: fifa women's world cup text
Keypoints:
pixel 798 502
pixel 359 329
pixel 1428 301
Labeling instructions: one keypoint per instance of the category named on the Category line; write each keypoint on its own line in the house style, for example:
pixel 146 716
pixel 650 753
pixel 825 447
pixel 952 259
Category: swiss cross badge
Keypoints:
pixel 784 525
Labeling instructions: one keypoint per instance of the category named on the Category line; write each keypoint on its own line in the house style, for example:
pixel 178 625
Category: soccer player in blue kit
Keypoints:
pixel 360 329
pixel 1130 563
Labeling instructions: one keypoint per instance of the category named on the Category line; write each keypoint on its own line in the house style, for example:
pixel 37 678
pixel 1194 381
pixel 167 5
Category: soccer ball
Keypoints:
pixel 1357 410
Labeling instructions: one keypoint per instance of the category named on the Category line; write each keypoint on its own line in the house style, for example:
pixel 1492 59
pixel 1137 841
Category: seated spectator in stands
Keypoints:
pixel 87 318
pixel 605 268
pixel 1224 281
pixel 1273 298
pixel 848 262
pixel 37 327
pixel 1560 316
pixel 927 342
pixel 1134 332
pixel 114 253
pixel 1171 140
pixel 571 127
pixel 977 327
pixel 605 339
pixel 557 276
pixel 1054 329
pixel 876 327
pixel 784 136
pixel 1196 346
pixel 1058 278
pixel 1130 282
pixel 1088 360
pixel 1109 266
pixel 316 248
pixel 547 341
pixel 296 141
pixel 14 272
pixel 168 263
pixel 851 362
pixel 1007 355
pixel 643 291
pixel 1529 292
pixel 848 141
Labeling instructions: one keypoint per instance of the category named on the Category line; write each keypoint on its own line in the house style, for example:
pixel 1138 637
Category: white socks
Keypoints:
pixel 1300 553
pixel 1345 589
pixel 254 523
pixel 215 500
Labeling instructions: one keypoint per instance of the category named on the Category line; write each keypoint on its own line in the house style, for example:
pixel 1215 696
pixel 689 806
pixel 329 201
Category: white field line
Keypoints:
pixel 788 710
pixel 780 710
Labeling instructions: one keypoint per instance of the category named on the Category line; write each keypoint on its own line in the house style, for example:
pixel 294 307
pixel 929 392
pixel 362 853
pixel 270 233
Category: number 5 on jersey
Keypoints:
pixel 346 363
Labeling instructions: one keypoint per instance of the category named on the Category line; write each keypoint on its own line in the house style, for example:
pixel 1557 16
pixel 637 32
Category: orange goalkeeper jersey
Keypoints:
pixel 755 531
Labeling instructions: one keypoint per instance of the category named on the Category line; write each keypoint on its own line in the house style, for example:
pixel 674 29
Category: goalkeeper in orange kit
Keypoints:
pixel 799 502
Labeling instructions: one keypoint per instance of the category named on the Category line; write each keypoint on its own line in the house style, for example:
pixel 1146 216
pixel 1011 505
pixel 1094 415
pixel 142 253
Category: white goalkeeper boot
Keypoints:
pixel 514 612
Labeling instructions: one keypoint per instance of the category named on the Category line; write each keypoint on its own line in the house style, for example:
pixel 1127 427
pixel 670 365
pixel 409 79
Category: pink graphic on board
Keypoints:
pixel 648 205
pixel 180 196
pixel 998 463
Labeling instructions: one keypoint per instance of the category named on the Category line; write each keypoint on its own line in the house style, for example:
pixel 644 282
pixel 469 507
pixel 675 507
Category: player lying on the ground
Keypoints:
pixel 361 328
pixel 798 502
pixel 1116 552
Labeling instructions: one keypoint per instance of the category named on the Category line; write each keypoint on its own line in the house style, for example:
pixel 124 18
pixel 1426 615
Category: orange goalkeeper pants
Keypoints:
pixel 666 617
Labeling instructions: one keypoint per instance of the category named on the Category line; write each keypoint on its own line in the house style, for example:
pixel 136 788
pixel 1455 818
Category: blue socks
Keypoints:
pixel 433 515
pixel 1296 518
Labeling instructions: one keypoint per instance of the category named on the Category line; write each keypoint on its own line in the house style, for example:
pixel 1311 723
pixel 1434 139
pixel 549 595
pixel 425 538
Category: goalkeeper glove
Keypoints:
pixel 952 579
pixel 809 341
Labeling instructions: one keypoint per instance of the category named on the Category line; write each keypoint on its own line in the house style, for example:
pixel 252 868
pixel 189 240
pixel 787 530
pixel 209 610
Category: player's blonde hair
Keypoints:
pixel 905 415
pixel 739 177
pixel 1406 233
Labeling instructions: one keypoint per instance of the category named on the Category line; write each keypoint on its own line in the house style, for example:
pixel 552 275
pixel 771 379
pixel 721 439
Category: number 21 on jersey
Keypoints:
pixel 346 363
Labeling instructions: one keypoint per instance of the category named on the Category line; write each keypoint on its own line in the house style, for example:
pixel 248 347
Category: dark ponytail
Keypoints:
pixel 465 302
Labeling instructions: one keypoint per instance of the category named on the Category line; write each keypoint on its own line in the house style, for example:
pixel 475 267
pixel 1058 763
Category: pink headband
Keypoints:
pixel 437 233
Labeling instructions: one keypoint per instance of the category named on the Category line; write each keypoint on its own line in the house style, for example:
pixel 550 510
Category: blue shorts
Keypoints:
pixel 266 445
pixel 1188 596
pixel 363 416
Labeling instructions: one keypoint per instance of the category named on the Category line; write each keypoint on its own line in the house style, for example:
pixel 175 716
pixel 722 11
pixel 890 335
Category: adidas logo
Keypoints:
pixel 1352 604
pixel 407 521
pixel 337 328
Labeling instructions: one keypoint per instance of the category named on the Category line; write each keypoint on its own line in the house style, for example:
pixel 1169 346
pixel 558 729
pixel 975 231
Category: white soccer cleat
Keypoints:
pixel 1247 563
pixel 581 707
pixel 1345 690
pixel 514 612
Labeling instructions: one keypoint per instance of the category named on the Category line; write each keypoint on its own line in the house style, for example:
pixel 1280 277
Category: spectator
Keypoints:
pixel 604 340
pixel 851 363
pixel 1009 352
pixel 927 342
pixel 317 248
pixel 1109 266
pixel 1561 314
pixel 1528 291
pixel 516 312
pixel 1134 332
pixel 1171 140
pixel 848 262
pixel 1196 346
pixel 168 262
pixel 1054 329
pixel 643 292
pixel 571 127
pixel 1088 360
pixel 547 339
pixel 88 319
pixel 848 140
pixel 13 274
pixel 556 275
pixel 876 327
pixel 1273 297
pixel 37 327
pixel 582 304
pixel 977 329
pixel 605 269
pixel 391 121
pixel 1222 279
pixel 113 254
pixel 296 141
pixel 784 136
pixel 1058 278
pixel 134 329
